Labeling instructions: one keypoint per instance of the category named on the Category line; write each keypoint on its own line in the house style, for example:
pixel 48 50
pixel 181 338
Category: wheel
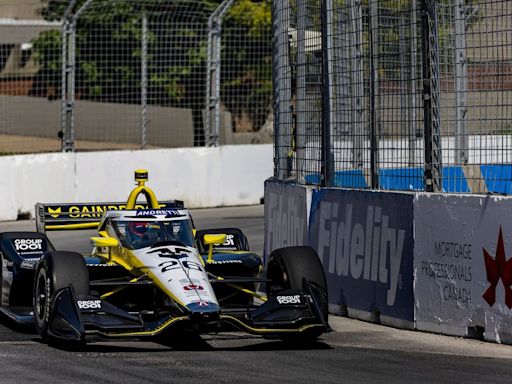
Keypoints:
pixel 288 267
pixel 56 270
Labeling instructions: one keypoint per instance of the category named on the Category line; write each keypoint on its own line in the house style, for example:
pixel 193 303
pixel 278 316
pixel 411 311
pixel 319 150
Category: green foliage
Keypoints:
pixel 255 17
pixel 247 61
pixel 108 52
pixel 45 47
pixel 47 54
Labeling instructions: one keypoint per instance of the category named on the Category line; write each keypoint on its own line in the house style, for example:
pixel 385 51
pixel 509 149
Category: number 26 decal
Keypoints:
pixel 175 264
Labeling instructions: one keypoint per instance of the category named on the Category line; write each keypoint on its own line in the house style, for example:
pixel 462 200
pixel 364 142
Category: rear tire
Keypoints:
pixel 288 267
pixel 55 271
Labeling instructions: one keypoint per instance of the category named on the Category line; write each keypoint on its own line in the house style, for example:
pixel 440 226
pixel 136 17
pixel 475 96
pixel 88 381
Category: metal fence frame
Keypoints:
pixel 212 100
pixel 358 81
pixel 73 32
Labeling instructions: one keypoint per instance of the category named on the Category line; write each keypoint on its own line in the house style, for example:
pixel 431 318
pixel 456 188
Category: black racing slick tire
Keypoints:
pixel 288 267
pixel 55 271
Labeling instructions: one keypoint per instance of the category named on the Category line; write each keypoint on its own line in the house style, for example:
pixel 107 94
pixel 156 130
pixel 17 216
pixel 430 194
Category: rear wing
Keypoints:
pixel 55 217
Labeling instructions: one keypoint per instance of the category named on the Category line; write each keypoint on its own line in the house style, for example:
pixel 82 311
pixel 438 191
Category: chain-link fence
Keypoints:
pixel 29 85
pixel 404 95
pixel 117 74
pixel 246 68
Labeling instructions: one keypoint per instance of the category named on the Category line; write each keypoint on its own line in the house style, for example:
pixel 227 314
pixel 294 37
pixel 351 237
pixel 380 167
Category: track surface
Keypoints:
pixel 356 353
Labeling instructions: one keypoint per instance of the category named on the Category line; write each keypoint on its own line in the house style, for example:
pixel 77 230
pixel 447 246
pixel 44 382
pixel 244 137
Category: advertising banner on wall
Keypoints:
pixel 365 242
pixel 286 215
pixel 463 264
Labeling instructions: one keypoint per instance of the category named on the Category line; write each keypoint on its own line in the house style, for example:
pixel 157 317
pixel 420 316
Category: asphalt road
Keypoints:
pixel 356 352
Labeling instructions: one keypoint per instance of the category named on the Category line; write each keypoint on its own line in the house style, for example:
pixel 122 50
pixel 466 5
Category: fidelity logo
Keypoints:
pixel 371 250
pixel 498 268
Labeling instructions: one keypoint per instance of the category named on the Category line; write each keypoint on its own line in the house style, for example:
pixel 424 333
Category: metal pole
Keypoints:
pixel 374 95
pixel 427 105
pixel 214 140
pixel 430 54
pixel 327 93
pixel 66 107
pixel 282 88
pixel 64 114
pixel 67 86
pixel 68 127
pixel 461 78
pixel 208 97
pixel 68 75
pixel 414 132
pixel 356 19
pixel 212 123
pixel 300 105
pixel 436 117
pixel 404 76
pixel 144 81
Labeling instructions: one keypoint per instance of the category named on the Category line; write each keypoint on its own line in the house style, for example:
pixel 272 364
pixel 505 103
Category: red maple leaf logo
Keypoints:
pixel 498 268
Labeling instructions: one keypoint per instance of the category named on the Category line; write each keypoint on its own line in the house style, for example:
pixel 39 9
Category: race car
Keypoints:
pixel 152 274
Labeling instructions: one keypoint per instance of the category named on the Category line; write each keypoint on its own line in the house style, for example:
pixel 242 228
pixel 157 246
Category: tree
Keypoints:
pixel 108 53
pixel 247 63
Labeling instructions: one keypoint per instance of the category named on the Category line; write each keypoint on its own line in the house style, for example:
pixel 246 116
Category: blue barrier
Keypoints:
pixel 454 180
pixel 497 178
pixel 402 179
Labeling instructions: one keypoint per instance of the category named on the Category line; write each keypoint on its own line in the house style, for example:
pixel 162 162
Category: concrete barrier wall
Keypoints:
pixel 463 267
pixel 202 177
pixel 365 242
pixel 432 262
pixel 286 215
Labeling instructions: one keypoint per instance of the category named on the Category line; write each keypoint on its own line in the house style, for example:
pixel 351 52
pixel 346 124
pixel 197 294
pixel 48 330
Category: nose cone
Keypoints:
pixel 203 307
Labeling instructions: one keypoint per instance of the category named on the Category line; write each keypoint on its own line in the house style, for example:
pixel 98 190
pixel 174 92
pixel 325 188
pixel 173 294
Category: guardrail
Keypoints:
pixel 431 262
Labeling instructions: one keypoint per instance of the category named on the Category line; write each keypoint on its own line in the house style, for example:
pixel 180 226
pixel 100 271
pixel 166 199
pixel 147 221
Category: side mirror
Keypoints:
pixel 211 240
pixel 104 242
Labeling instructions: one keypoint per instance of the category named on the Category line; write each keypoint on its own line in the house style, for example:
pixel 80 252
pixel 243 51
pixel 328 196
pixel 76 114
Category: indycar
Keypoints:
pixel 152 274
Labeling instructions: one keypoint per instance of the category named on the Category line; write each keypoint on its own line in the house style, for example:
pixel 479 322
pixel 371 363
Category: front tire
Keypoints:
pixel 290 267
pixel 55 271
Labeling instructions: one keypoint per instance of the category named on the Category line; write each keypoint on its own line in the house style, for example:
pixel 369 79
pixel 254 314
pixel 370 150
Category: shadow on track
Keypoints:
pixel 192 343
pixel 10 331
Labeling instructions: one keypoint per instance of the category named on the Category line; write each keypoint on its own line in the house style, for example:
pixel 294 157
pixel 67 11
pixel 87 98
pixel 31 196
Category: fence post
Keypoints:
pixel 213 63
pixel 414 132
pixel 356 20
pixel 300 107
pixel 69 74
pixel 282 88
pixel 327 93
pixel 374 93
pixel 66 133
pixel 144 81
pixel 404 77
pixel 461 78
pixel 430 53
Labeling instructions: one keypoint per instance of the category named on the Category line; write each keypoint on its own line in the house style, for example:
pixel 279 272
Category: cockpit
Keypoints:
pixel 145 233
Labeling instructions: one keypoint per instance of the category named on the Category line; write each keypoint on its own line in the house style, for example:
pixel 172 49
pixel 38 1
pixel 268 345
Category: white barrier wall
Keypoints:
pixel 201 177
pixel 462 264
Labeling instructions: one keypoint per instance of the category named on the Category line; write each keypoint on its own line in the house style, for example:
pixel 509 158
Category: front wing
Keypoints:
pixel 81 318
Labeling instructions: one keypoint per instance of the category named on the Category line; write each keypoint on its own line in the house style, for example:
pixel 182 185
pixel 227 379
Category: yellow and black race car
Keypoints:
pixel 151 273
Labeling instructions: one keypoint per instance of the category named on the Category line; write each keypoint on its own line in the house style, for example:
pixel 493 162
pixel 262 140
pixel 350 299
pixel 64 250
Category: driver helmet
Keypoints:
pixel 138 229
